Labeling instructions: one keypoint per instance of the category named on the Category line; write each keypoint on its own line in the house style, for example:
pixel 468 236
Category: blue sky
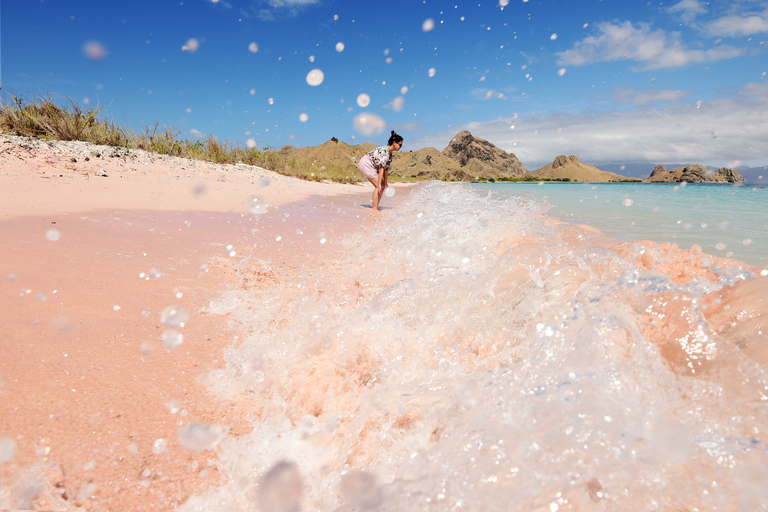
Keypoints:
pixel 605 80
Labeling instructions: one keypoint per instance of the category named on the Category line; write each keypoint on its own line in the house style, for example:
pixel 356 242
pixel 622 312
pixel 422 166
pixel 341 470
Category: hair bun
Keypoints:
pixel 393 132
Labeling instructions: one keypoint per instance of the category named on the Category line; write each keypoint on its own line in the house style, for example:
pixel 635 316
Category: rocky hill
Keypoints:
pixel 695 174
pixel 481 158
pixel 571 168
pixel 331 152
pixel 466 158
pixel 429 164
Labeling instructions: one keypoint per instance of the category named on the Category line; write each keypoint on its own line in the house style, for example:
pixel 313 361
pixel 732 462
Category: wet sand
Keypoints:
pixel 92 399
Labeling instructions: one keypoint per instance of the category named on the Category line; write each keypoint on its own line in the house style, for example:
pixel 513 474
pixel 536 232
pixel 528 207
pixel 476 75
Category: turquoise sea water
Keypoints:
pixel 725 220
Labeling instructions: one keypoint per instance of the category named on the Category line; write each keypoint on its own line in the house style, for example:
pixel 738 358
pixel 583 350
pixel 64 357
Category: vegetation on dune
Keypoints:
pixel 42 118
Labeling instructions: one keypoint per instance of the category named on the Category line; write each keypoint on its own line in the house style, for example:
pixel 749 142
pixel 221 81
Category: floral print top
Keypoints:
pixel 381 157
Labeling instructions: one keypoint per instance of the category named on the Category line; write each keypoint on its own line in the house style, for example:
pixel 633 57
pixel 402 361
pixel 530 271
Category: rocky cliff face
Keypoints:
pixel 695 174
pixel 659 170
pixel 481 158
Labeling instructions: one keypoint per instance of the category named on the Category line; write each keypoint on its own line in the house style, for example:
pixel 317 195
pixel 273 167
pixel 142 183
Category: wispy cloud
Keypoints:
pixel 688 10
pixel 712 133
pixel 739 25
pixel 621 95
pixel 270 10
pixel 655 49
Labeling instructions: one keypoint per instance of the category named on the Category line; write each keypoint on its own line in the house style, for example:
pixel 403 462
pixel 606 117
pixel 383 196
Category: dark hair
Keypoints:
pixel 394 138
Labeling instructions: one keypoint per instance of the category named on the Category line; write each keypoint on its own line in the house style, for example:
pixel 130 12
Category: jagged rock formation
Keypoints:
pixel 695 174
pixel 571 168
pixel 481 158
pixel 659 170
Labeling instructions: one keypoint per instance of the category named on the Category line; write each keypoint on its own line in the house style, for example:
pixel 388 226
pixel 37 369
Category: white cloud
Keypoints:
pixel 673 133
pixel 270 10
pixel 739 25
pixel 622 95
pixel 653 48
pixel 688 10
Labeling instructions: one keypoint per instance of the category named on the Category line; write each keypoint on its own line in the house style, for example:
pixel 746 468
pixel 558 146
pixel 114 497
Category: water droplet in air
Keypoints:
pixel 562 71
pixel 361 490
pixel 191 46
pixel 7 449
pixel 197 437
pixel 339 47
pixel 404 89
pixel 263 182
pixel 720 246
pixel 52 235
pixel 363 100
pixel 174 316
pixel 398 104
pixel 553 37
pixel 368 124
pixel 94 50
pixel 159 446
pixel 747 241
pixel 389 191
pixel 431 72
pixel 251 143
pixel 303 117
pixel 428 25
pixel 172 338
pixel 253 47
pixel 503 3
pixel 280 489
pixel 256 205
pixel 628 202
pixel 315 77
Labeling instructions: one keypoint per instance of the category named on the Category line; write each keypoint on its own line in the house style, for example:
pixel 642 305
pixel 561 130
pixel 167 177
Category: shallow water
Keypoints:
pixel 468 354
pixel 725 220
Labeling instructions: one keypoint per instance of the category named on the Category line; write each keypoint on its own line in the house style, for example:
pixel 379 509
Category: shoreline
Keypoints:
pixel 93 399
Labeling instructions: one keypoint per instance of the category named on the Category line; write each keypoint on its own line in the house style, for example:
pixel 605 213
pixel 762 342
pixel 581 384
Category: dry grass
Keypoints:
pixel 42 118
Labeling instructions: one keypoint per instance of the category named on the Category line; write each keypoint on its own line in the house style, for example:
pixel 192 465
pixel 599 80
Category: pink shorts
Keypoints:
pixel 365 165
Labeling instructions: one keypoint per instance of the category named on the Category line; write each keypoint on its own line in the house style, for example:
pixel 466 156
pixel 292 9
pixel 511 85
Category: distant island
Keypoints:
pixel 695 174
pixel 470 159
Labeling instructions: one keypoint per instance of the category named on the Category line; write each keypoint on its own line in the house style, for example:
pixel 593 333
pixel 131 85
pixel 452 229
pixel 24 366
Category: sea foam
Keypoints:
pixel 470 353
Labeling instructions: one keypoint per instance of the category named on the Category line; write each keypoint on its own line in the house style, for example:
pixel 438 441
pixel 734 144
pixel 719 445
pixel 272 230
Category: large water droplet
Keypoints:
pixel 428 25
pixel 360 489
pixel 53 235
pixel 197 437
pixel 191 46
pixel 94 50
pixel 172 338
pixel 159 446
pixel 7 449
pixel 315 77
pixel 256 204
pixel 253 47
pixel 369 124
pixel 174 316
pixel 363 100
pixel 280 489
pixel 339 47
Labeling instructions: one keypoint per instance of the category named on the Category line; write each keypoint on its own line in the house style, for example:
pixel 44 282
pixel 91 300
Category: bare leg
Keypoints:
pixel 376 195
